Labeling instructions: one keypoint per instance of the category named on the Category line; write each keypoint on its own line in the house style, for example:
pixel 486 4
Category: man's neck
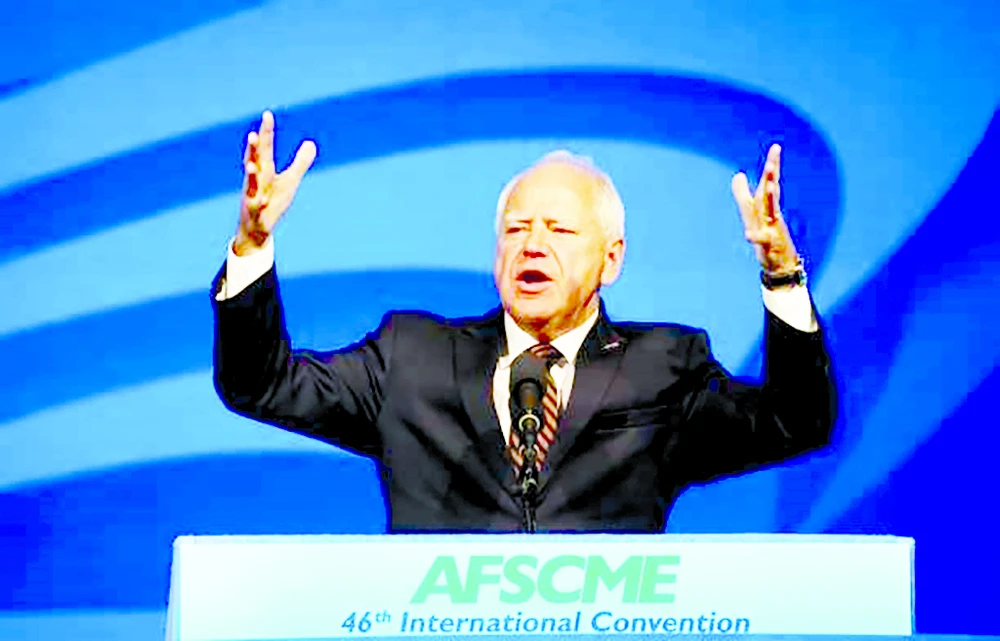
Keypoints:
pixel 551 329
pixel 567 342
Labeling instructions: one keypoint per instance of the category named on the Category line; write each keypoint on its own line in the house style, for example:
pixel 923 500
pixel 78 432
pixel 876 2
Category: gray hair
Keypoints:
pixel 610 209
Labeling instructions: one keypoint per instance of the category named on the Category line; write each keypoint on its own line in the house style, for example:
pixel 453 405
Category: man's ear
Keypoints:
pixel 614 256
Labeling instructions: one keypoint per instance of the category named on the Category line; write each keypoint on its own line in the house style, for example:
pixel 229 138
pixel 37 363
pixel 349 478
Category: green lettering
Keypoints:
pixel 444 567
pixel 598 571
pixel 652 577
pixel 524 583
pixel 477 577
pixel 547 590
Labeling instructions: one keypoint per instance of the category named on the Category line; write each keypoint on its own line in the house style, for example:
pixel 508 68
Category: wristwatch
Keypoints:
pixel 773 281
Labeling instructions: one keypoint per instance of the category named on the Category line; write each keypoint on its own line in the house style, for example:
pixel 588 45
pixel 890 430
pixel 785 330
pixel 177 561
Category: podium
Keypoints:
pixel 238 588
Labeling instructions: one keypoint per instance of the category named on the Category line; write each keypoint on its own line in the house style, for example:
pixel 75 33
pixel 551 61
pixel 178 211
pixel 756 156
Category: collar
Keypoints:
pixel 568 344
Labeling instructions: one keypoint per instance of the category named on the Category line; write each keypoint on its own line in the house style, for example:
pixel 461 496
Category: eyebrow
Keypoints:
pixel 522 217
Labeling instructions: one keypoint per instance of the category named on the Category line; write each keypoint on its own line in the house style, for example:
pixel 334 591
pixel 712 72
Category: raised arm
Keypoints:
pixel 735 425
pixel 335 396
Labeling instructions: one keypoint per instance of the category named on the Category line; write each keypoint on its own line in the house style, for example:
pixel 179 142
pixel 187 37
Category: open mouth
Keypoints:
pixel 532 281
pixel 533 276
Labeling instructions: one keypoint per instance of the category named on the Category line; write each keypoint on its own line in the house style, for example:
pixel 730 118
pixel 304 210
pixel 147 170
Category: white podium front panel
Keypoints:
pixel 326 587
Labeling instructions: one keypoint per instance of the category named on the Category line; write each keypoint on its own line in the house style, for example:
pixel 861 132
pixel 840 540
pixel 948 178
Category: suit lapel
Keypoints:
pixel 477 350
pixel 597 362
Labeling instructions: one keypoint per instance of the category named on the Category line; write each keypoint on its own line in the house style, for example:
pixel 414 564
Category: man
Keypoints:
pixel 632 412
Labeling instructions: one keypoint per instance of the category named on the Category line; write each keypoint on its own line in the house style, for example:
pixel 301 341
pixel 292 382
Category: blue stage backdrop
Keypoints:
pixel 123 126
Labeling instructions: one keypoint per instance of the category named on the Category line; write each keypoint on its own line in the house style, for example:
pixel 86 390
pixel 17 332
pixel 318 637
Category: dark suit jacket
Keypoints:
pixel 651 411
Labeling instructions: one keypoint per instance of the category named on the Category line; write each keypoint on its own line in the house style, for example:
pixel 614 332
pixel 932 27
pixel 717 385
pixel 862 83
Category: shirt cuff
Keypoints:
pixel 792 305
pixel 242 271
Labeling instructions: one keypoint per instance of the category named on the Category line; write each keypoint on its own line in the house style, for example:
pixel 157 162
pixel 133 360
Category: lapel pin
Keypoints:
pixel 611 346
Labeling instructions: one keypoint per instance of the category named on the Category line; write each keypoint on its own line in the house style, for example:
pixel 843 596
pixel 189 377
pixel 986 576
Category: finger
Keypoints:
pixel 249 156
pixel 304 158
pixel 763 236
pixel 744 200
pixel 766 245
pixel 266 154
pixel 771 209
pixel 252 152
pixel 252 180
pixel 774 159
pixel 771 171
pixel 759 240
pixel 248 150
pixel 774 184
pixel 256 205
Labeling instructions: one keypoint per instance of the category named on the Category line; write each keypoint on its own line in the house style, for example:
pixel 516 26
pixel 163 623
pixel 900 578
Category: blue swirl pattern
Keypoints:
pixel 114 443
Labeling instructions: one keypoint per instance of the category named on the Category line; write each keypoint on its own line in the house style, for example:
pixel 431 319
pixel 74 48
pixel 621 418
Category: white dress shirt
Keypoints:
pixel 791 305
pixel 563 372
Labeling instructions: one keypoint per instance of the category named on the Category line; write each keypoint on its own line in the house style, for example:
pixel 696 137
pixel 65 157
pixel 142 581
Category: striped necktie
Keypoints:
pixel 550 410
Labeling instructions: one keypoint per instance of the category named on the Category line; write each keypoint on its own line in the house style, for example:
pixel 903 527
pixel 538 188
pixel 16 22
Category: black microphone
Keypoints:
pixel 527 392
pixel 528 410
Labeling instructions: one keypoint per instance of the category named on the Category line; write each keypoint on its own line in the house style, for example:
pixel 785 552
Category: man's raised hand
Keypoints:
pixel 764 225
pixel 267 195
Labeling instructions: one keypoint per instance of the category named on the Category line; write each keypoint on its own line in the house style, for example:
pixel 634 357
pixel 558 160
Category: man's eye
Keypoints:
pixel 514 230
pixel 563 230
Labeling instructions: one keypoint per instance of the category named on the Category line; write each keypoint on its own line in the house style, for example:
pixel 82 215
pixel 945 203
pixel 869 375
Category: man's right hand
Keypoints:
pixel 266 195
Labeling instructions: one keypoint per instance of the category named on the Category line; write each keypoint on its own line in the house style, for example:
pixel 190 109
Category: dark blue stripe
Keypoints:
pixel 57 38
pixel 104 540
pixel 730 124
pixel 14 86
pixel 99 353
pixel 950 252
pixel 945 498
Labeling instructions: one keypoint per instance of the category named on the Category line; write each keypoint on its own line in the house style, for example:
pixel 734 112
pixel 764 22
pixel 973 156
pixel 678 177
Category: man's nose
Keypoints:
pixel 537 241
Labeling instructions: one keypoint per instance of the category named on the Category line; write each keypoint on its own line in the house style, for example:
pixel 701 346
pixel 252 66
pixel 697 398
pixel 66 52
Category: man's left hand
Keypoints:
pixel 761 212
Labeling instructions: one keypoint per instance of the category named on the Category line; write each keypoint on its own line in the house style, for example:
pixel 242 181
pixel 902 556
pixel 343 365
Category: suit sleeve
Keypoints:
pixel 334 396
pixel 732 426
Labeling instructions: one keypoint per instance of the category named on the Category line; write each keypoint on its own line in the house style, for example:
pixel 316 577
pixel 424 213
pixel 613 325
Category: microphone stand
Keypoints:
pixel 528 424
pixel 526 410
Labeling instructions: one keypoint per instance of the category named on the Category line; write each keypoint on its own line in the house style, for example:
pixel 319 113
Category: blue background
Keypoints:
pixel 123 132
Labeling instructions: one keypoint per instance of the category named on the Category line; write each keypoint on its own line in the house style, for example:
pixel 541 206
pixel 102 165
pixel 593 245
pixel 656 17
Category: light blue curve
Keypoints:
pixel 352 45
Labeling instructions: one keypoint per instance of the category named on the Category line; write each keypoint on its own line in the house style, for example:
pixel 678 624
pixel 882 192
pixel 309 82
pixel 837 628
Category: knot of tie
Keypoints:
pixel 547 353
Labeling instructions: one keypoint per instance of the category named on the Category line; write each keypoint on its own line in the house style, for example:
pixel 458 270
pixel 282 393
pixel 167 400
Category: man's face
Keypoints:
pixel 552 253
